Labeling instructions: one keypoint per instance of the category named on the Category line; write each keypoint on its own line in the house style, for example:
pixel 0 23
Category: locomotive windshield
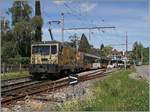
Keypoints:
pixel 44 50
pixel 53 49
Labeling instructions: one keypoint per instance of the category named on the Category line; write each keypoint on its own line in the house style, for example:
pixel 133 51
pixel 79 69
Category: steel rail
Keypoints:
pixel 15 81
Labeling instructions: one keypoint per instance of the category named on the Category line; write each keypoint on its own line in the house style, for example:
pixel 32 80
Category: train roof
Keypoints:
pixel 91 55
pixel 68 44
pixel 46 42
pixel 50 42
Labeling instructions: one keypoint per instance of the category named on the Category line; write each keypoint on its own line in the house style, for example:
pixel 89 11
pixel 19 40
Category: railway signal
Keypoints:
pixel 73 79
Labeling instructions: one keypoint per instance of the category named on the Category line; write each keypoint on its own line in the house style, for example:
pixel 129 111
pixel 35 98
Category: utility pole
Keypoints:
pixel 126 52
pixel 126 42
pixel 62 22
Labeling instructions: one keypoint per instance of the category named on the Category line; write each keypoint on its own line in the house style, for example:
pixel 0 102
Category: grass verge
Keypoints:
pixel 115 93
pixel 13 75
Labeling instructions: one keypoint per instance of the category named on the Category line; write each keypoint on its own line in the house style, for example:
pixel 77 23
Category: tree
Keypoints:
pixel 22 32
pixel 20 11
pixel 101 50
pixel 8 44
pixel 21 22
pixel 74 40
pixel 4 26
pixel 84 45
pixel 8 50
pixel 137 51
pixel 102 46
pixel 146 55
pixel 105 51
pixel 38 22
pixel 4 30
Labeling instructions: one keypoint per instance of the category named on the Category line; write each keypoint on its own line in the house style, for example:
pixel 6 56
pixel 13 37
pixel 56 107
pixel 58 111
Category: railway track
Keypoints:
pixel 19 93
pixel 9 82
pixel 8 89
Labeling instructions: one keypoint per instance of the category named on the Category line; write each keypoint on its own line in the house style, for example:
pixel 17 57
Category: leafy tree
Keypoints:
pixel 74 40
pixel 105 51
pixel 4 30
pixel 137 51
pixel 22 32
pixel 146 55
pixel 21 22
pixel 8 50
pixel 8 45
pixel 16 40
pixel 37 23
pixel 4 26
pixel 20 11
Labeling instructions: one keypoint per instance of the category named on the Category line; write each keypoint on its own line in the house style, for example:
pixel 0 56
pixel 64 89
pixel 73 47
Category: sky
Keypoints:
pixel 128 16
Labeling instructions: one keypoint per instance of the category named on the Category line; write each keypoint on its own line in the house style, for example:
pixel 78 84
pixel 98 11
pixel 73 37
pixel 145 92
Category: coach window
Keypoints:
pixel 53 49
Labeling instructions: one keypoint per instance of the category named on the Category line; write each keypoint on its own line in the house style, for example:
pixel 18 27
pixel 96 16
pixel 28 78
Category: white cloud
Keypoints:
pixel 87 7
pixel 60 2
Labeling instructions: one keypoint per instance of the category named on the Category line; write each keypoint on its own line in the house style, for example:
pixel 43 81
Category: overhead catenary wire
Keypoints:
pixel 79 16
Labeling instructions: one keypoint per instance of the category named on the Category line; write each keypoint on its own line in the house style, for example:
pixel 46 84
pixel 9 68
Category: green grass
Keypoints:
pixel 13 75
pixel 115 93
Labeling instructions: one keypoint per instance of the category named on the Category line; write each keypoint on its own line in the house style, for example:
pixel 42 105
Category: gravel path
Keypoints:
pixel 142 71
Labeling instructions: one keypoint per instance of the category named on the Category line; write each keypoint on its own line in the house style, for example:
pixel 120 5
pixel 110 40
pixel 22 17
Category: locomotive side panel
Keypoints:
pixel 79 61
pixel 67 59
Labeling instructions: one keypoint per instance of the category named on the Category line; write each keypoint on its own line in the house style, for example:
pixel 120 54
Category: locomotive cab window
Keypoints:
pixel 43 50
pixel 53 49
